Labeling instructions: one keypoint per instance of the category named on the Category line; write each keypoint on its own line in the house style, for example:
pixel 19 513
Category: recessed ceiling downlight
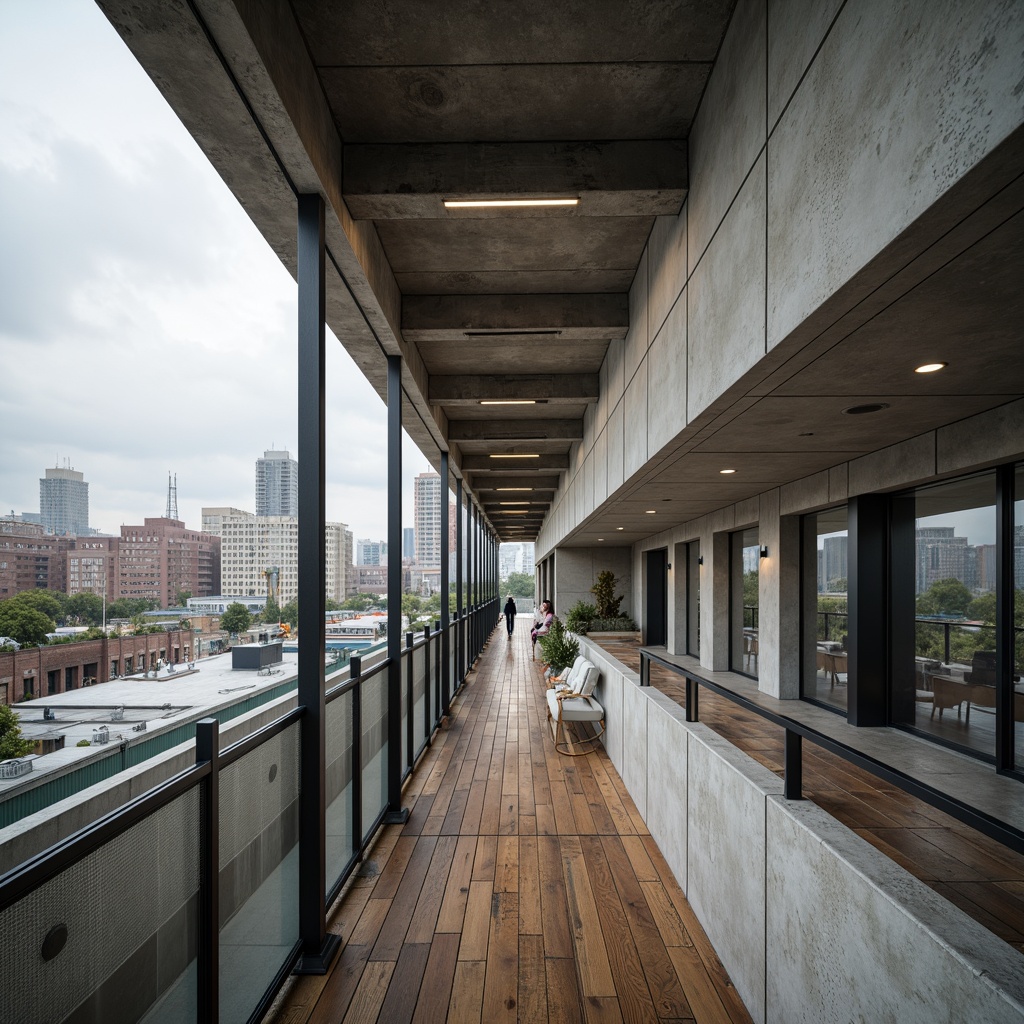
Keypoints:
pixel 864 410
pixel 930 367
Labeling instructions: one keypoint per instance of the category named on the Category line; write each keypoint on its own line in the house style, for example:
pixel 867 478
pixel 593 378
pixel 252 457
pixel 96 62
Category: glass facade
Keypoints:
pixel 1018 618
pixel 693 598
pixel 744 573
pixel 825 620
pixel 948 690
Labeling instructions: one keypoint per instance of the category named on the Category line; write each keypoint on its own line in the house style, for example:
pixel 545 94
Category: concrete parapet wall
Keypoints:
pixel 811 922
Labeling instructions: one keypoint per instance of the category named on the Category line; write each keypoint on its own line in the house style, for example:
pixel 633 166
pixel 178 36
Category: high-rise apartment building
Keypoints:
pixel 371 552
pixel 833 565
pixel 408 542
pixel 277 485
pixel 29 558
pixel 252 545
pixel 427 519
pixel 162 557
pixel 92 565
pixel 64 501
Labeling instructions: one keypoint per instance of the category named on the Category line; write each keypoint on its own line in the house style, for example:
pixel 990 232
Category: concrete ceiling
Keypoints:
pixel 390 107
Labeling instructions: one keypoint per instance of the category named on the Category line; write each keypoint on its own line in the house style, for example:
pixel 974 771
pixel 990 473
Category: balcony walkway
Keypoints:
pixel 982 877
pixel 524 886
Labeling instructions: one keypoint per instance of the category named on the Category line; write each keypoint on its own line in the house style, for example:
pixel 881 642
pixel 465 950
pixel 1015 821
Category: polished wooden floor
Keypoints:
pixel 979 875
pixel 524 886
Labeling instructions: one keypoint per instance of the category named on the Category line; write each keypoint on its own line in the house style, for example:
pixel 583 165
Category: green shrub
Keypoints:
pixel 579 617
pixel 559 647
pixel 83 743
pixel 619 624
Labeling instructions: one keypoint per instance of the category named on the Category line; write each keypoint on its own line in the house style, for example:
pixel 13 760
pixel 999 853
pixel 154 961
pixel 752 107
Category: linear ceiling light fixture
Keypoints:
pixel 727 471
pixel 513 488
pixel 930 367
pixel 482 204
pixel 515 503
pixel 513 456
pixel 508 401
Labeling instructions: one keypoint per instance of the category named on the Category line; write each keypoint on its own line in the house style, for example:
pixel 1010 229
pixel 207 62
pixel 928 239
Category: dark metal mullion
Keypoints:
pixel 427 730
pixel 410 702
pixel 394 767
pixel 445 650
pixel 319 946
pixel 208 944
pixel 1005 758
pixel 355 666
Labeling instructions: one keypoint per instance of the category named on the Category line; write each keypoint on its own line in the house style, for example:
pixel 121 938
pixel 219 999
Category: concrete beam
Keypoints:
pixel 542 484
pixel 610 179
pixel 515 430
pixel 569 317
pixel 521 465
pixel 456 389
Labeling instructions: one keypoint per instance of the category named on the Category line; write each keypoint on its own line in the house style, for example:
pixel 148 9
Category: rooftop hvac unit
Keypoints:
pixel 117 715
pixel 16 767
pixel 101 735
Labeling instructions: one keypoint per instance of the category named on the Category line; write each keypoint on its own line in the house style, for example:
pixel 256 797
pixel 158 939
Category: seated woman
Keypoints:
pixel 547 614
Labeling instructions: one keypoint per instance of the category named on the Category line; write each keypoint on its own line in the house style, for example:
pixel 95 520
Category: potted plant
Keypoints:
pixel 608 620
pixel 559 647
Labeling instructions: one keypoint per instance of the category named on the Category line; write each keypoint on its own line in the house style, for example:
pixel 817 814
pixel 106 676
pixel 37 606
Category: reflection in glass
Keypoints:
pixel 950 690
pixel 825 642
pixel 743 595
pixel 1018 618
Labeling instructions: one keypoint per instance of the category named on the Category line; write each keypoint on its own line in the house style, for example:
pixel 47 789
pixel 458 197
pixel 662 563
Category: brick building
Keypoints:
pixel 161 557
pixel 90 565
pixel 44 671
pixel 30 558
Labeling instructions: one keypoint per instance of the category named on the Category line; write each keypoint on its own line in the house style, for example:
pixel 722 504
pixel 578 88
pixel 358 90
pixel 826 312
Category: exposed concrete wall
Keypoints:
pixel 827 133
pixel 576 572
pixel 811 922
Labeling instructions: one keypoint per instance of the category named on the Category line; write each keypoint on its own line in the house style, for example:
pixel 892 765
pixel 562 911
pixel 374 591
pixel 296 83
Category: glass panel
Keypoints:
pixel 419 664
pixel 341 844
pixel 453 683
pixel 118 927
pixel 693 599
pixel 374 710
pixel 1018 618
pixel 953 676
pixel 743 593
pixel 825 619
pixel 259 871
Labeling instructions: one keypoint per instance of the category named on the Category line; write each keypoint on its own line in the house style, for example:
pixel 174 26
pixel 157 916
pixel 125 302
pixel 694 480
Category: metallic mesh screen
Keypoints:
pixel 374 748
pixel 419 669
pixel 255 790
pixel 110 906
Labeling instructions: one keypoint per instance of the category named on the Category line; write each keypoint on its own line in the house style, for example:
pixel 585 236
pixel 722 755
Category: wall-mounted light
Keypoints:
pixel 700 559
pixel 764 550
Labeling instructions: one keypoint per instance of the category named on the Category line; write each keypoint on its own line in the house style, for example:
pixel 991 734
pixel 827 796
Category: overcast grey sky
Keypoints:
pixel 145 326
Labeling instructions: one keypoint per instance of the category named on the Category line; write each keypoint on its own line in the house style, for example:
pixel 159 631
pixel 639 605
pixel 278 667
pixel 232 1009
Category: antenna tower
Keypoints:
pixel 172 497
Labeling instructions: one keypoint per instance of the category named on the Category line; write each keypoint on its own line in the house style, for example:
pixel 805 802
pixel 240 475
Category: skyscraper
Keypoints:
pixel 64 501
pixel 427 518
pixel 277 485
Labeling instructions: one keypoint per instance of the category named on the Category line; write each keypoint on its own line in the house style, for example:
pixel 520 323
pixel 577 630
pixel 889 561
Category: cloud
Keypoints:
pixel 145 325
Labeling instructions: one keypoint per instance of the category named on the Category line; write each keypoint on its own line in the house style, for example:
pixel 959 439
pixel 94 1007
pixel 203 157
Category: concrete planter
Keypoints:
pixel 627 634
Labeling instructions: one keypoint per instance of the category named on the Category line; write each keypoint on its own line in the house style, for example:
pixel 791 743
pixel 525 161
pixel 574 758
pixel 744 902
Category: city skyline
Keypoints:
pixel 154 246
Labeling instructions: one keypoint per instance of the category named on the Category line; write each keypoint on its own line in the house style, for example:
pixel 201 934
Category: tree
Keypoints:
pixel 361 602
pixel 518 584
pixel 236 618
pixel 604 595
pixel 290 614
pixel 983 608
pixel 23 623
pixel 945 597
pixel 50 602
pixel 12 743
pixel 128 607
pixel 271 611
pixel 182 598
pixel 85 608
pixel 331 605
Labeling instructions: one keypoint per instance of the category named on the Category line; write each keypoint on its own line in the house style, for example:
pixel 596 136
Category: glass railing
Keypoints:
pixel 183 904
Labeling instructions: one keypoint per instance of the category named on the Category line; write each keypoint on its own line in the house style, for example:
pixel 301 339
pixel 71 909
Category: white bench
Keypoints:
pixel 571 699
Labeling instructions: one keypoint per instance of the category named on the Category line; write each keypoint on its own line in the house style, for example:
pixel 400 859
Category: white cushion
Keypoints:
pixel 589 680
pixel 575 709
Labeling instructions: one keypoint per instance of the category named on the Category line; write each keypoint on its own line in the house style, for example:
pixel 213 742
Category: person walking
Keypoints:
pixel 510 616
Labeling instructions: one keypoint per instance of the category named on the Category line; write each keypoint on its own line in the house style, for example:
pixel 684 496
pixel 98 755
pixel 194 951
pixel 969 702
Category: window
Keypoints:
pixel 825 622
pixel 944 599
pixel 1018 618
pixel 744 566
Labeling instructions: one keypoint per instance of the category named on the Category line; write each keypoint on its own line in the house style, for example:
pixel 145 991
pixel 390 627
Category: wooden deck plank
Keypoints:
pixel 453 905
pixel 404 987
pixel 436 994
pixel 501 983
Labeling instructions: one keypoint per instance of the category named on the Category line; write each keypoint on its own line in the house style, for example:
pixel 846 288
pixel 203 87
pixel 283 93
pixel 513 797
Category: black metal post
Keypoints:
pixel 208 952
pixel 460 629
pixel 395 810
pixel 355 670
pixel 410 702
pixel 470 580
pixel 318 945
pixel 869 610
pixel 426 681
pixel 692 700
pixel 445 676
pixel 793 782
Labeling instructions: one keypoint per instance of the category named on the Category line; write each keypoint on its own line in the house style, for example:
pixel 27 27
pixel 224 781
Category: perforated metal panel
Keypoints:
pixel 64 943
